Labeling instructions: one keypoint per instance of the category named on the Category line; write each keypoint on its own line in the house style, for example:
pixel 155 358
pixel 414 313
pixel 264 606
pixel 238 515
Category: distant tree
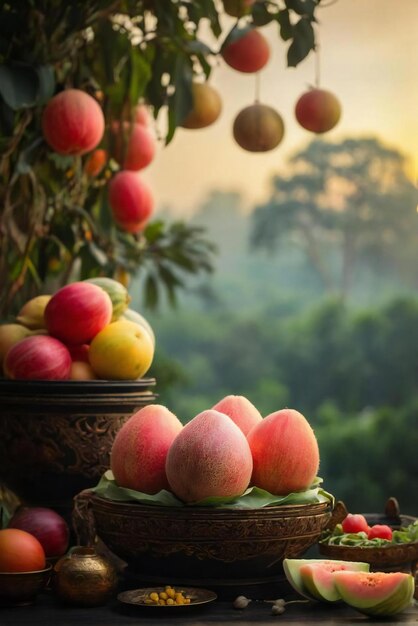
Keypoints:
pixel 342 202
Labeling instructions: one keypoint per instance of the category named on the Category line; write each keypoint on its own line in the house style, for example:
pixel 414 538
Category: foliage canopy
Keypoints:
pixel 55 223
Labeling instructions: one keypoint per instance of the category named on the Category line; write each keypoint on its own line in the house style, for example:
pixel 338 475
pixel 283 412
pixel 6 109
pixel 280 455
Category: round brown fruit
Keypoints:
pixel 258 128
pixel 207 106
pixel 318 110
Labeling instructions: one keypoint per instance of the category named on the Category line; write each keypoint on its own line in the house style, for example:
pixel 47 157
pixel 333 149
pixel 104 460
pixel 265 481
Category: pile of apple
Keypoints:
pixel 83 331
pixel 219 453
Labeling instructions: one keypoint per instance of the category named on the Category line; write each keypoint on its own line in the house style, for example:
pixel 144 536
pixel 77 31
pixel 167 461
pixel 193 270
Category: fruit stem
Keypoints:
pixel 317 62
pixel 257 87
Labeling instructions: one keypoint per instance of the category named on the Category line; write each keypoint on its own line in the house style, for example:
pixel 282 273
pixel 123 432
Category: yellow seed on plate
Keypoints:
pixel 163 595
pixel 154 596
pixel 170 592
pixel 161 602
pixel 170 601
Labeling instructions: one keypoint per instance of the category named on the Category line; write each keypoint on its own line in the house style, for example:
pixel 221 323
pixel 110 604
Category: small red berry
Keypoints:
pixel 355 524
pixel 380 531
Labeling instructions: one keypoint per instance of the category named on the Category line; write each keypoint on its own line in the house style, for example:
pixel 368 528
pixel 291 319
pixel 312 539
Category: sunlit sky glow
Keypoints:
pixel 368 58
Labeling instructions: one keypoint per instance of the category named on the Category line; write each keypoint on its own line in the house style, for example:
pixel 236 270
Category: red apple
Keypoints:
pixel 249 53
pixel 318 110
pixel 77 312
pixel 39 357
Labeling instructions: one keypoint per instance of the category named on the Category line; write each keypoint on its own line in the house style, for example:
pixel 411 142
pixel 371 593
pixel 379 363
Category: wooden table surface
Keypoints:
pixel 47 612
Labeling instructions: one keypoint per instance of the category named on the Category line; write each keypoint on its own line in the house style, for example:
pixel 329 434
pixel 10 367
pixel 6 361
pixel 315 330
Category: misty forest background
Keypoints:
pixel 313 304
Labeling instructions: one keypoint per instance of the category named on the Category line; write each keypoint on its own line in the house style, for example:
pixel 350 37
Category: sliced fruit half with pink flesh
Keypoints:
pixel 318 570
pixel 376 593
pixel 318 578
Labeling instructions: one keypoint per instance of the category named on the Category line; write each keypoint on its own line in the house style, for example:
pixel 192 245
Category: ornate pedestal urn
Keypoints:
pixel 56 436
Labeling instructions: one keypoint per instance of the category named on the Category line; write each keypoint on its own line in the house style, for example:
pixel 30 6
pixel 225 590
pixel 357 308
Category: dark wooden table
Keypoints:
pixel 47 612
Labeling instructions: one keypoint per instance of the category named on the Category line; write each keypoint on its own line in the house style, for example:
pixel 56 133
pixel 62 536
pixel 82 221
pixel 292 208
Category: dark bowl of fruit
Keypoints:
pixel 388 541
pixel 74 364
pixel 56 436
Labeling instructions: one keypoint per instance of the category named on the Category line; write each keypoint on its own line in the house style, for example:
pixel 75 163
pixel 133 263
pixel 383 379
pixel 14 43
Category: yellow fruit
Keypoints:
pixel 123 350
pixel 80 370
pixel 207 106
pixel 31 314
pixel 9 335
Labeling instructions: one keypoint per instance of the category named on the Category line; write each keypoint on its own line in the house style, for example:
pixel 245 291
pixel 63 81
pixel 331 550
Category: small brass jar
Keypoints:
pixel 84 578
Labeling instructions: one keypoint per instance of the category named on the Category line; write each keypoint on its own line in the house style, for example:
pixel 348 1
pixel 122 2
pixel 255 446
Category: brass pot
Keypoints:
pixel 84 578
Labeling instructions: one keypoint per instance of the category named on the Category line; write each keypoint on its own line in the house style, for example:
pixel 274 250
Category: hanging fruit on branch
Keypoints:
pixel 206 107
pixel 131 201
pixel 246 50
pixel 258 128
pixel 134 145
pixel 73 122
pixel 318 110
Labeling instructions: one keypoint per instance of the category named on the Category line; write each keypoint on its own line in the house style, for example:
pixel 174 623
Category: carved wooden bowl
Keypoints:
pixel 56 436
pixel 201 545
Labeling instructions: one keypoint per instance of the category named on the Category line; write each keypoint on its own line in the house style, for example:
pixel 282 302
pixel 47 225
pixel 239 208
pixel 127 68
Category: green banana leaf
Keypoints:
pixel 252 498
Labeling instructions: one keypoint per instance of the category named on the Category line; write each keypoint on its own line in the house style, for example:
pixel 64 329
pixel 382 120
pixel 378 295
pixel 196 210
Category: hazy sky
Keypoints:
pixel 369 59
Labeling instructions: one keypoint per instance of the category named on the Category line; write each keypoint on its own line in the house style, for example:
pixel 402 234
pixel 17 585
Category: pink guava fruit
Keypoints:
pixel 39 357
pixel 376 593
pixel 209 457
pixel 73 122
pixel 77 312
pixel 131 201
pixel 135 145
pixel 140 448
pixel 241 411
pixel 285 453
pixel 293 571
pixel 318 578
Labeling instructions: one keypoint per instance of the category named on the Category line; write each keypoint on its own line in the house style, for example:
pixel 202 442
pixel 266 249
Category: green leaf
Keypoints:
pixel 181 102
pixel 286 28
pixel 151 292
pixel 252 498
pixel 235 34
pixel 18 86
pixel 107 488
pixel 303 42
pixel 154 231
pixel 46 83
pixel 28 156
pixel 261 15
pixel 302 7
pixel 139 72
pixel 209 10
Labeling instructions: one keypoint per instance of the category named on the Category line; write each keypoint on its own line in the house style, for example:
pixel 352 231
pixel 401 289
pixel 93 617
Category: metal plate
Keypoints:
pixel 137 597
